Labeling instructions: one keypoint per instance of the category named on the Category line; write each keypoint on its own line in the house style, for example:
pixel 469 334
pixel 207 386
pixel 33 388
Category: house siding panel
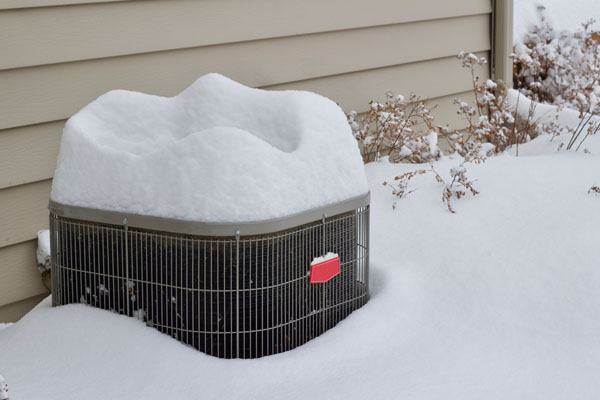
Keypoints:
pixel 45 35
pixel 17 266
pixel 52 92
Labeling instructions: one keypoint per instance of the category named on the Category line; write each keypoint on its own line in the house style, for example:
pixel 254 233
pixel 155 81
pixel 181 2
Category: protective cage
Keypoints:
pixel 229 296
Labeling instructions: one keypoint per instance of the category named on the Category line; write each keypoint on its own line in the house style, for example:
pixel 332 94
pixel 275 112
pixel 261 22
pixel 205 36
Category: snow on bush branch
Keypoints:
pixel 562 69
pixel 389 129
pixel 456 188
pixel 404 130
pixel 559 68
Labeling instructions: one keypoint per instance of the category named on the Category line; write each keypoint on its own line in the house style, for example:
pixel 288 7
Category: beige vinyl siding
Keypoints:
pixel 17 266
pixel 28 154
pixel 8 4
pixel 58 56
pixel 59 34
pixel 23 211
pixel 12 312
pixel 53 92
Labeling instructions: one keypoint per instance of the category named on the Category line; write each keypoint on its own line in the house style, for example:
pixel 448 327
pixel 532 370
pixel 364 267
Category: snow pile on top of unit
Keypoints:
pixel 217 152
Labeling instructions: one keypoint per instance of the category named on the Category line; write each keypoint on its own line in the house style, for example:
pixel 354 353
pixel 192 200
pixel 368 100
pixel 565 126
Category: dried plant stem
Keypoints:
pixel 577 132
pixel 514 127
pixel 588 134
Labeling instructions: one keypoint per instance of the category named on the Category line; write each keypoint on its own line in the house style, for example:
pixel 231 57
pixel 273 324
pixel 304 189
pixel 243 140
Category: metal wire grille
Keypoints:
pixel 229 297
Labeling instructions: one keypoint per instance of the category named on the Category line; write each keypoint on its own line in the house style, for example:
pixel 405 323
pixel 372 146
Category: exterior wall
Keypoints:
pixel 58 55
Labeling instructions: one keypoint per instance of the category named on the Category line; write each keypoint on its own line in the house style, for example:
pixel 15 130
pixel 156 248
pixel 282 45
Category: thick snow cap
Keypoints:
pixel 217 152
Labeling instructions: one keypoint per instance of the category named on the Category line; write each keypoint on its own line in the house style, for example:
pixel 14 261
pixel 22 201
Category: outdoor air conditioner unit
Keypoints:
pixel 242 288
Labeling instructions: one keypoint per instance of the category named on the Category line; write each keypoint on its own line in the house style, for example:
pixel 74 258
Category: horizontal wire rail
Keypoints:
pixel 230 297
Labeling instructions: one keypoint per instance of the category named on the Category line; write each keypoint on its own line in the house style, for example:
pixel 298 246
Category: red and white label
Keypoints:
pixel 323 269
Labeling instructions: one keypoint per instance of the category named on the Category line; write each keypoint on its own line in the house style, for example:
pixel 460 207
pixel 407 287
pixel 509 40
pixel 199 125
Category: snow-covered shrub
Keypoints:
pixel 594 189
pixel 492 122
pixel 399 186
pixel 492 125
pixel 562 69
pixel 389 129
pixel 460 183
pixel 456 188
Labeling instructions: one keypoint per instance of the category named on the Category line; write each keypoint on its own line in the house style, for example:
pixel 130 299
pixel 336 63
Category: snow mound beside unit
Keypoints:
pixel 217 152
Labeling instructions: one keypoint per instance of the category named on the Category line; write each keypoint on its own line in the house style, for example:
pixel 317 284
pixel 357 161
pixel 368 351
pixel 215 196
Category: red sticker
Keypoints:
pixel 323 271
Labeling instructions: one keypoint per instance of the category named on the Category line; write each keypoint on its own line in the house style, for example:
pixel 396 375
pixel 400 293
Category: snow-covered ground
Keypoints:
pixel 498 301
pixel 563 15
